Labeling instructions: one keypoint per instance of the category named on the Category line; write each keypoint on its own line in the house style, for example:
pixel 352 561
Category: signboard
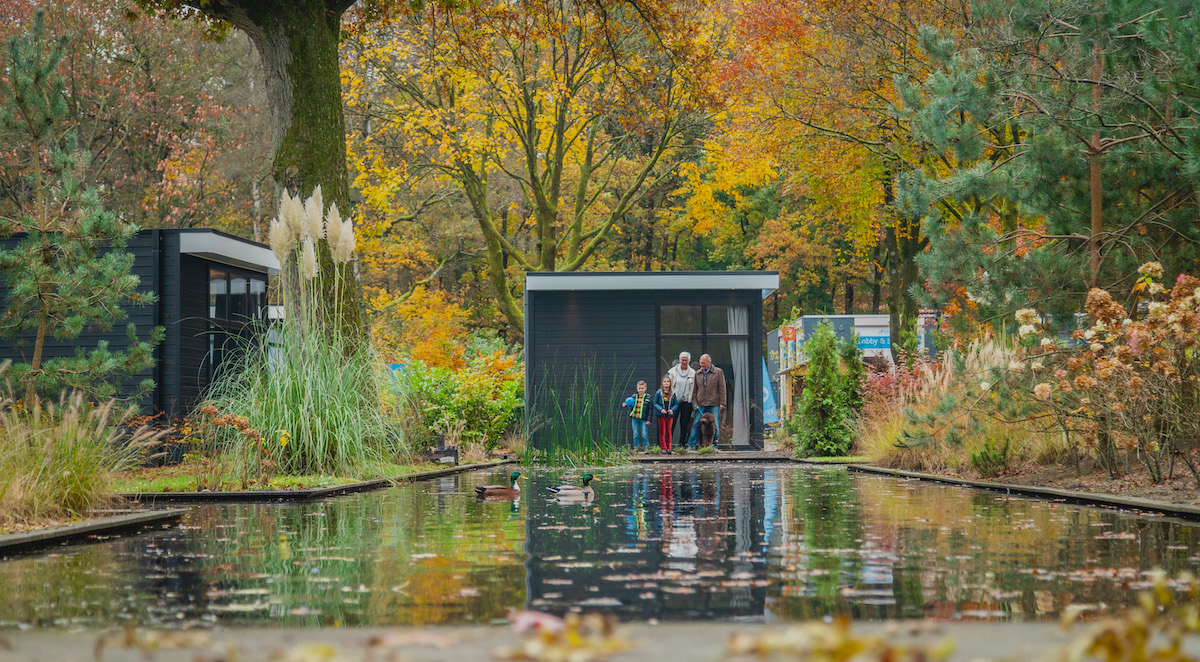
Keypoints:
pixel 789 333
pixel 874 342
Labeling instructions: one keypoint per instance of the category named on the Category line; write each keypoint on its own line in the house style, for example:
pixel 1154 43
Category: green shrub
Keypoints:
pixel 992 459
pixel 822 425
pixel 484 399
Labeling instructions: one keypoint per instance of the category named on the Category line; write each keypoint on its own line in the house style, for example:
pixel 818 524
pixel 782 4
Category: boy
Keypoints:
pixel 639 405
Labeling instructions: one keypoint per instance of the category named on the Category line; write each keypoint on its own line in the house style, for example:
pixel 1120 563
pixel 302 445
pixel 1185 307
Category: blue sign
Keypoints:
pixel 770 409
pixel 874 342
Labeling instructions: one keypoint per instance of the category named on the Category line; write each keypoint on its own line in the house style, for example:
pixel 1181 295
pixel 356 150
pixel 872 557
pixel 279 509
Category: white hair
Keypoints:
pixel 687 354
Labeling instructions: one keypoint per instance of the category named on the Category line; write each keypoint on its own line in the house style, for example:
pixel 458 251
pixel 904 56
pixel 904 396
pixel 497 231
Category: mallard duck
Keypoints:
pixel 512 491
pixel 568 491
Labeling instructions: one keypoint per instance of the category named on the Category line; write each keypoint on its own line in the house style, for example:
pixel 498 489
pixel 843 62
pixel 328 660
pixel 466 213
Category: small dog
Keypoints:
pixel 708 430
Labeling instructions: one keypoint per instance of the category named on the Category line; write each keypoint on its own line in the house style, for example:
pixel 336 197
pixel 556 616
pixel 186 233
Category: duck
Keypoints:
pixel 512 491
pixel 575 491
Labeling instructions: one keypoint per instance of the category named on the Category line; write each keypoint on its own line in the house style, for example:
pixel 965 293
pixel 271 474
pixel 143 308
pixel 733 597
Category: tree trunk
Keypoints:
pixel 1094 179
pixel 298 43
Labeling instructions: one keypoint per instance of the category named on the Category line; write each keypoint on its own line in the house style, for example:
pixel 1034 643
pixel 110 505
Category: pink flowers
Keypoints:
pixel 1042 391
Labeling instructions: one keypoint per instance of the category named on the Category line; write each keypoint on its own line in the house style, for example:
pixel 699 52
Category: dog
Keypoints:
pixel 708 430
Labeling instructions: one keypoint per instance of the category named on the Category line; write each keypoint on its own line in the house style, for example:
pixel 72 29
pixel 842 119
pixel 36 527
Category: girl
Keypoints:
pixel 665 404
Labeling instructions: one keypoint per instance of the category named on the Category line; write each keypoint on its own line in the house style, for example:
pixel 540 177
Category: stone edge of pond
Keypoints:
pixel 306 494
pixel 43 538
pixel 1180 510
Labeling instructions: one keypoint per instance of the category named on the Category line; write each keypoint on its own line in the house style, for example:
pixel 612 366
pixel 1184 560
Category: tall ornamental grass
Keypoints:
pixel 958 415
pixel 59 459
pixel 303 399
pixel 313 404
pixel 576 425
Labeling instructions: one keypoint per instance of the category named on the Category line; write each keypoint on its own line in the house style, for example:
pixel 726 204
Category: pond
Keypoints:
pixel 671 542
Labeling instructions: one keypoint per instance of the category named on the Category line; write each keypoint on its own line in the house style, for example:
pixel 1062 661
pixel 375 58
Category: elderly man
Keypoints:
pixel 683 380
pixel 708 397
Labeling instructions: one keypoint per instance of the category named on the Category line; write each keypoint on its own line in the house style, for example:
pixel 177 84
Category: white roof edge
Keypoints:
pixel 228 250
pixel 664 280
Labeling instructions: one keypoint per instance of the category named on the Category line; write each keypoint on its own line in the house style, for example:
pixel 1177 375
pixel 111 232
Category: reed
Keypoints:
pixel 579 419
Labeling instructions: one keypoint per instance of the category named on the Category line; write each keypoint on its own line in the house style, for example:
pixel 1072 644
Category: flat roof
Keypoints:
pixel 227 249
pixel 766 281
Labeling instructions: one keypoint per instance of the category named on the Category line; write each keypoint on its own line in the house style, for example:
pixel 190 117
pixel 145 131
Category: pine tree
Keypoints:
pixel 1063 131
pixel 69 270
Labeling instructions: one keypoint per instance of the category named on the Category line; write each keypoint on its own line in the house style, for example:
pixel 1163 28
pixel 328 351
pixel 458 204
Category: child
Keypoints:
pixel 666 404
pixel 639 403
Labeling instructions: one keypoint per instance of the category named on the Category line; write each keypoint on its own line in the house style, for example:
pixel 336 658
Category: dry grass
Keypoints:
pixel 59 460
pixel 943 417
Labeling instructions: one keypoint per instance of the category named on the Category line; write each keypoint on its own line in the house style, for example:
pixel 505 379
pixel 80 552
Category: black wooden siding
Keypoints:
pixel 612 335
pixel 181 283
pixel 142 246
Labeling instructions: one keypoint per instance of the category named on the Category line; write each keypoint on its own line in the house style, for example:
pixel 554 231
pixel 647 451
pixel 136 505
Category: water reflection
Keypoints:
pixel 667 542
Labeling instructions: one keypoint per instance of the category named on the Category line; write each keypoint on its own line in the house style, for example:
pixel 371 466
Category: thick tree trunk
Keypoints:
pixel 298 42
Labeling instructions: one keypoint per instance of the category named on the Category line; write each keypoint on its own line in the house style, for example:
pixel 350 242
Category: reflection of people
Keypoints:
pixel 683 380
pixel 708 397
pixel 639 406
pixel 665 405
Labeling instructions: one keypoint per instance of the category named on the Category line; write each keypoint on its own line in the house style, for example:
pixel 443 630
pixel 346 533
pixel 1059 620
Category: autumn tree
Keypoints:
pixel 170 118
pixel 816 77
pixel 297 41
pixel 551 119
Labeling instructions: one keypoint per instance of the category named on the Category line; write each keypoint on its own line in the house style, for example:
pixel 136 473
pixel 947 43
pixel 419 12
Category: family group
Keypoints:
pixel 685 392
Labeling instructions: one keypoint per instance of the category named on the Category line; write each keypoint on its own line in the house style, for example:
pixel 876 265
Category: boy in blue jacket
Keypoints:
pixel 639 405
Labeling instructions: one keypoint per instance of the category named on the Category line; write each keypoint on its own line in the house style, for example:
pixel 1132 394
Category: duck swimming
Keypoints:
pixel 575 491
pixel 500 491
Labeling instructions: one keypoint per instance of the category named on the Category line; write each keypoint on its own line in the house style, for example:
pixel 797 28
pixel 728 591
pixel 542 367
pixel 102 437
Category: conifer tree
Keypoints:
pixel 822 423
pixel 1063 130
pixel 68 271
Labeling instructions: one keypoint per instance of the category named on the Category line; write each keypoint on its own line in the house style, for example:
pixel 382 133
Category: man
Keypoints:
pixel 683 380
pixel 708 397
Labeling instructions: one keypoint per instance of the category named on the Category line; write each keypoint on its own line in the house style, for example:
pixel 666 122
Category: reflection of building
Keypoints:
pixel 589 338
pixel 211 288
pixel 698 551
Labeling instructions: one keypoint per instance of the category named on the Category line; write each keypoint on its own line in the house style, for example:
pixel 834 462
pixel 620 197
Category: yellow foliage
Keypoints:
pixel 426 326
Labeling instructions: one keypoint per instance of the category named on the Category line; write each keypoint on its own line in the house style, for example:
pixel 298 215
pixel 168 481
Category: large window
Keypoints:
pixel 722 332
pixel 236 299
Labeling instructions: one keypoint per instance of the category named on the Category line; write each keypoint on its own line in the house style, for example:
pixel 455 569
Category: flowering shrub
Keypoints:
pixel 1127 386
pixel 483 399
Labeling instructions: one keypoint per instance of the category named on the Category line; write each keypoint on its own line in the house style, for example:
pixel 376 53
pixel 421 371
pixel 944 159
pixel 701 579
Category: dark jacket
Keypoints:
pixel 659 405
pixel 710 387
pixel 639 406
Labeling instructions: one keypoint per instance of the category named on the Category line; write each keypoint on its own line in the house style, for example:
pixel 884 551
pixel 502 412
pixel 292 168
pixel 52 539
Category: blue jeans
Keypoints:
pixel 640 432
pixel 697 412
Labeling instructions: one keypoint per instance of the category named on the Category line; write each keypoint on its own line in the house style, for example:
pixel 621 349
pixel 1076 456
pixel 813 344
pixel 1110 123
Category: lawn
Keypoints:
pixel 191 477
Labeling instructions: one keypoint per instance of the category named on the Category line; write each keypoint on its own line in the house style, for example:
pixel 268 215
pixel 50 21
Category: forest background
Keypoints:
pixel 881 155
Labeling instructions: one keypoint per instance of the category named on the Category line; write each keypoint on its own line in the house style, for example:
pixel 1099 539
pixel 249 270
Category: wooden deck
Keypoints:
pixel 720 456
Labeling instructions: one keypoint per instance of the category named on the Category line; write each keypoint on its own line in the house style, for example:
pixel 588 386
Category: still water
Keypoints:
pixel 773 542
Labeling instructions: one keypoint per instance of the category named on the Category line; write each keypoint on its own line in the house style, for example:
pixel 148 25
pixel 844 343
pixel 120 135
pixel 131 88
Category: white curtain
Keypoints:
pixel 739 351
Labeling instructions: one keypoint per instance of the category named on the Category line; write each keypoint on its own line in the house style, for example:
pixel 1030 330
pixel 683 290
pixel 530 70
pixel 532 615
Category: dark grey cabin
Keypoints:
pixel 589 338
pixel 212 290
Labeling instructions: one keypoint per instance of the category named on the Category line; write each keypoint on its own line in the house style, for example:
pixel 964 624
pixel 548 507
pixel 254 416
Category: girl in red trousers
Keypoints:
pixel 665 405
